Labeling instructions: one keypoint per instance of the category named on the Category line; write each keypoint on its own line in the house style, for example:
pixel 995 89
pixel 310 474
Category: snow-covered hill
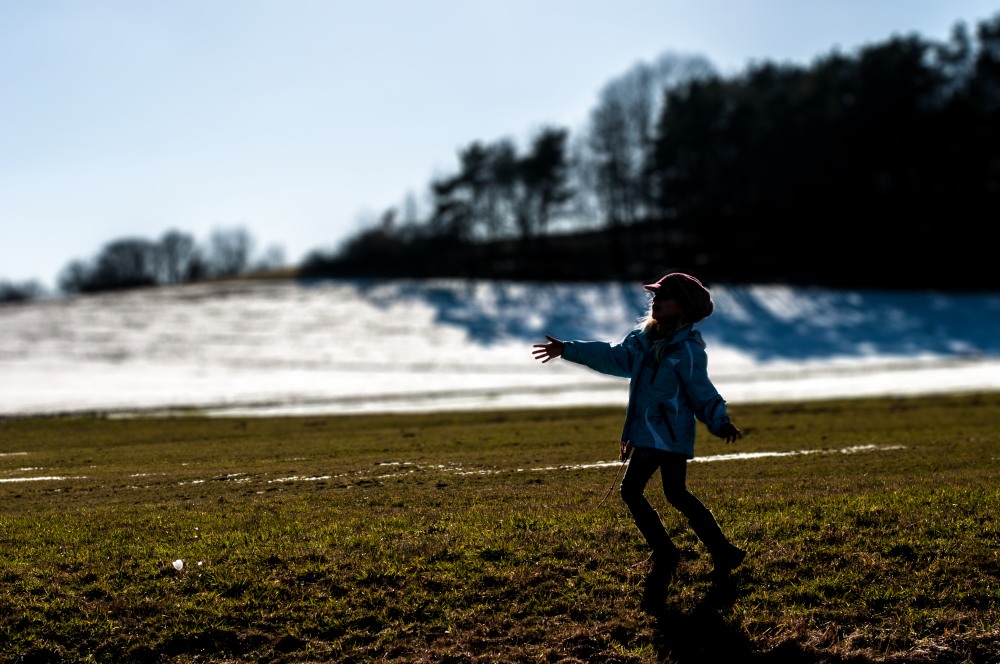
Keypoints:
pixel 275 347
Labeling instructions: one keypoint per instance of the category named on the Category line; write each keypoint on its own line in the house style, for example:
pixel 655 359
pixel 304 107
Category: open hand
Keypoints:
pixel 546 352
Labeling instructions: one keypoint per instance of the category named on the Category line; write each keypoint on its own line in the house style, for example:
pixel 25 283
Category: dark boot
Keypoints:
pixel 725 556
pixel 727 559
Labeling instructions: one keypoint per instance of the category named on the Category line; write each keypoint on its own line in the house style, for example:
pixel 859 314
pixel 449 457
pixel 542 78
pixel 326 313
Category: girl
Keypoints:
pixel 669 388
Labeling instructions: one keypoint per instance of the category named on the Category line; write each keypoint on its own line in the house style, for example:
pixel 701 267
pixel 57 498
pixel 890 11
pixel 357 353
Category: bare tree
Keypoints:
pixel 273 258
pixel 410 210
pixel 229 252
pixel 621 133
pixel 178 255
pixel 473 203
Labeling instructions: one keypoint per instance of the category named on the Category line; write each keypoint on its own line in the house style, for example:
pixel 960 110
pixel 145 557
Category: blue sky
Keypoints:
pixel 302 120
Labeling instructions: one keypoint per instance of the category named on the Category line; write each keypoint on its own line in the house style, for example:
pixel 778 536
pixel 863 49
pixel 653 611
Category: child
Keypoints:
pixel 669 387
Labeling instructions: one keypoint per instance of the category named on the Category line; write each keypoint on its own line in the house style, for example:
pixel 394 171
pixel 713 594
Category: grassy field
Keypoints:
pixel 483 538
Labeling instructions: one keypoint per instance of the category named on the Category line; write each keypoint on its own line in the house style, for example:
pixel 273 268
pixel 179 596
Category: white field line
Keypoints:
pixel 759 455
pixel 39 479
pixel 734 457
pixel 411 468
pixel 458 470
pixel 299 478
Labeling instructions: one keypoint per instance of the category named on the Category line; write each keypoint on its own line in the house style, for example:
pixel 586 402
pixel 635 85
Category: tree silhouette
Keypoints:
pixel 621 133
pixel 180 260
pixel 24 291
pixel 125 263
pixel 229 252
pixel 544 176
pixel 175 258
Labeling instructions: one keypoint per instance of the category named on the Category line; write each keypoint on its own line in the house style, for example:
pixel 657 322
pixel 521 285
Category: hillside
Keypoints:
pixel 341 346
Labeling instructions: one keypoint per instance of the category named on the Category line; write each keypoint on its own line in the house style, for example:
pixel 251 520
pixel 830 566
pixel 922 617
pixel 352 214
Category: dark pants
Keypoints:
pixel 673 470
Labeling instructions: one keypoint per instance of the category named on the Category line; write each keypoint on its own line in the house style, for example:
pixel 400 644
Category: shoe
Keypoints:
pixel 727 560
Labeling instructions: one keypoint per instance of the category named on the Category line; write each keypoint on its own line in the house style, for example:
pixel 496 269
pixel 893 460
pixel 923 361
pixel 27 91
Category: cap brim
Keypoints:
pixel 652 287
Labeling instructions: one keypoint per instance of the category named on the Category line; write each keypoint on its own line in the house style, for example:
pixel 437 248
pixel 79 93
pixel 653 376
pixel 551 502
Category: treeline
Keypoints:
pixel 173 259
pixel 874 169
pixel 176 257
pixel 21 291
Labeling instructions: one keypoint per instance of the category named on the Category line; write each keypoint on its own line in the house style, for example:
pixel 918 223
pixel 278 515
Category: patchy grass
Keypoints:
pixel 480 538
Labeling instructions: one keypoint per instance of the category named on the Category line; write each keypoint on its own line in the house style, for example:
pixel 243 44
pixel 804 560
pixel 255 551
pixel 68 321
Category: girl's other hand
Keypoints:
pixel 730 432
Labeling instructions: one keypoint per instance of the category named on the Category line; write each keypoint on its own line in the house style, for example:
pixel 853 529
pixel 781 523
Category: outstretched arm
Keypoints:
pixel 549 351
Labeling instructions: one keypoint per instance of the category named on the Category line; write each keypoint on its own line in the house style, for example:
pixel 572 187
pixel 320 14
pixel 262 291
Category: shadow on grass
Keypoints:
pixel 702 634
pixel 697 635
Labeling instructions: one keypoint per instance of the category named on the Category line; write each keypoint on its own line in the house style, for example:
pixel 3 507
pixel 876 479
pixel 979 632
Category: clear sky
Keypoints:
pixel 302 120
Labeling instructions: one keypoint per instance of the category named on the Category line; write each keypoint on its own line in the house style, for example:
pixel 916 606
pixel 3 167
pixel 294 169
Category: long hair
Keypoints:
pixel 659 334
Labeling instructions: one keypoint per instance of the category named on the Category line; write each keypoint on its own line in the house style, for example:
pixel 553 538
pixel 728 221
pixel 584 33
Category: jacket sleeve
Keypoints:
pixel 706 402
pixel 611 359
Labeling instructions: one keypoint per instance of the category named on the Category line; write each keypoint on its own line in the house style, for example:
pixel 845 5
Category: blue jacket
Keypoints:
pixel 665 397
